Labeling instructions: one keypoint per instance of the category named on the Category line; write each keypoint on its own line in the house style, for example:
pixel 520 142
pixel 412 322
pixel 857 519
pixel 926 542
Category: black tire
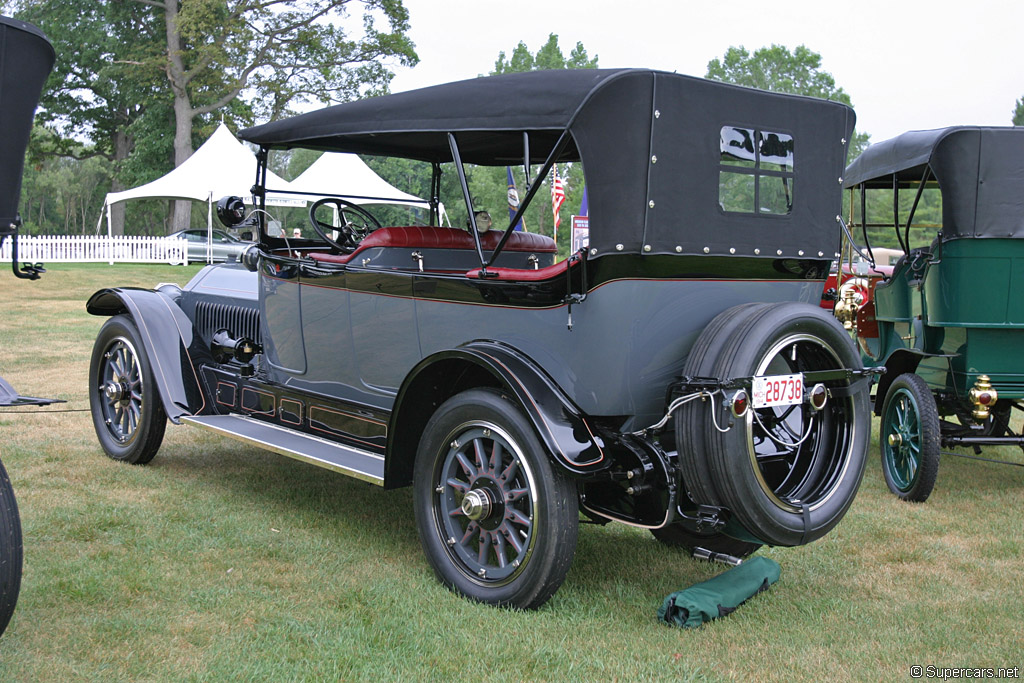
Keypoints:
pixel 690 419
pixel 481 443
pixel 909 438
pixel 789 474
pixel 680 535
pixel 127 413
pixel 10 550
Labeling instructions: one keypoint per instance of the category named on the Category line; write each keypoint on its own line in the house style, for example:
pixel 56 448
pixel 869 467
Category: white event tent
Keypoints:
pixel 222 166
pixel 334 170
pixel 357 182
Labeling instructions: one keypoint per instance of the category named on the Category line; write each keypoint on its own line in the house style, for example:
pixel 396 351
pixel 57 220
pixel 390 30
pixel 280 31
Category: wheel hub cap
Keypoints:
pixel 477 504
pixel 115 391
pixel 895 440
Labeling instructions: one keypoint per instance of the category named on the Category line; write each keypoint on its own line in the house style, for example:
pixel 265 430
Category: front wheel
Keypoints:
pixel 126 410
pixel 497 522
pixel 909 438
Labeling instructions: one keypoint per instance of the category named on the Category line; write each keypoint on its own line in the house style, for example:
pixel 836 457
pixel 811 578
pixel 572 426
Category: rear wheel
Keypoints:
pixel 909 438
pixel 10 550
pixel 497 521
pixel 789 473
pixel 126 410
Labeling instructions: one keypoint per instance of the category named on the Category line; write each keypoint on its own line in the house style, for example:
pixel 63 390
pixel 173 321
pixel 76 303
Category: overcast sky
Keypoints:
pixel 906 65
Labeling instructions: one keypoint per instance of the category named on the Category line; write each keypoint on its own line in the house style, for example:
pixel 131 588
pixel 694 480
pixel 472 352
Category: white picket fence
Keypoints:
pixel 96 248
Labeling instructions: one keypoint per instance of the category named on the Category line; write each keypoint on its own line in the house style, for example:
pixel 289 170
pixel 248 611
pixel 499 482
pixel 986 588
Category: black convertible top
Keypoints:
pixel 26 58
pixel 650 142
pixel 979 170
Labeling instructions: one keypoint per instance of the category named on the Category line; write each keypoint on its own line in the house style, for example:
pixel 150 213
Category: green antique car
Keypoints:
pixel 946 323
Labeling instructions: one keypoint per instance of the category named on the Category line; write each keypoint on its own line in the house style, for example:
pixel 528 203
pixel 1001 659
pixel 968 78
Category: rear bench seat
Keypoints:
pixel 415 237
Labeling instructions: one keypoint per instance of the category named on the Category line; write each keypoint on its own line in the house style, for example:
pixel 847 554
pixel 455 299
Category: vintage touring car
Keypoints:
pixel 676 375
pixel 947 323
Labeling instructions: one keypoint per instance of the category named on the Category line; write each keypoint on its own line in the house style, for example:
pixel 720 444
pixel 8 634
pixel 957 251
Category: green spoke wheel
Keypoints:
pixel 909 438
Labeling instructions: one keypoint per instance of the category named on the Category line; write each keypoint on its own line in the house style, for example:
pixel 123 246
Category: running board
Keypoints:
pixel 333 456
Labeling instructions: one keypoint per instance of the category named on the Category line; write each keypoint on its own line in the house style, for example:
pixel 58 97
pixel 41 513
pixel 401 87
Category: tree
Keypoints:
pixel 549 56
pixel 146 67
pixel 97 89
pixel 1018 113
pixel 285 50
pixel 777 69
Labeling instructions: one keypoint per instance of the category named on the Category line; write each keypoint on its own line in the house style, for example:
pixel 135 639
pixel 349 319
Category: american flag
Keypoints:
pixel 557 197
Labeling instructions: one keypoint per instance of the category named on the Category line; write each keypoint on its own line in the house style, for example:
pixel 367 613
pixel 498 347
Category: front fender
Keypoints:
pixel 561 426
pixel 168 338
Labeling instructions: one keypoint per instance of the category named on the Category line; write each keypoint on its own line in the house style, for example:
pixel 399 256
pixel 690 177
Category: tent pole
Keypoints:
pixel 209 228
pixel 110 238
pixel 99 219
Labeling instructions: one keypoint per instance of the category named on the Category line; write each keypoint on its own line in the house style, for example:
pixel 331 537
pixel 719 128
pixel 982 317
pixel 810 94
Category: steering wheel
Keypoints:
pixel 356 223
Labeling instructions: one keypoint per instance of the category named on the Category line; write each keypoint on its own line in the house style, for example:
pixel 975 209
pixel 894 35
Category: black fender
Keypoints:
pixel 897 363
pixel 168 338
pixel 561 426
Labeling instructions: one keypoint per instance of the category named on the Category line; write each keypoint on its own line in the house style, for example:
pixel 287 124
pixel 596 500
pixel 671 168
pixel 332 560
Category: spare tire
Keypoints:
pixel 788 474
pixel 691 418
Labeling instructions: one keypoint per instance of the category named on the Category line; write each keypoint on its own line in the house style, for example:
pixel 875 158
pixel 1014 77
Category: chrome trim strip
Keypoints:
pixel 234 425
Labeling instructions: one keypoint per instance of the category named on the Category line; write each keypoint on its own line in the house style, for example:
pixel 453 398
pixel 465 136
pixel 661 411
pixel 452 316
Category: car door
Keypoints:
pixel 281 316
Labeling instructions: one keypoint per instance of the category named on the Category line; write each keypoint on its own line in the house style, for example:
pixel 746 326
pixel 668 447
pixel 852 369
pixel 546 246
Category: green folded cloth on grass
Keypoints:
pixel 720 595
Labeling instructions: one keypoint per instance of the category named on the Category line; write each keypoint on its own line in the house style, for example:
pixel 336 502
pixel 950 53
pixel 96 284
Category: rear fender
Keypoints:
pixel 562 428
pixel 168 339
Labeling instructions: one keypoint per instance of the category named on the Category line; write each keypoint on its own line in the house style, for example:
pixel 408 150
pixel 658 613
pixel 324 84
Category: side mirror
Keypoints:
pixel 230 211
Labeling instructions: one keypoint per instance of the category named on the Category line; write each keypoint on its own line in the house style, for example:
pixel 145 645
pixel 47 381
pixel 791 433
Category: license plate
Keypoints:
pixel 778 390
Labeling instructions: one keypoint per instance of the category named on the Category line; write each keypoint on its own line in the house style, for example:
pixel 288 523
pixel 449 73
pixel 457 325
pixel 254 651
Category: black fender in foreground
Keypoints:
pixel 168 339
pixel 561 426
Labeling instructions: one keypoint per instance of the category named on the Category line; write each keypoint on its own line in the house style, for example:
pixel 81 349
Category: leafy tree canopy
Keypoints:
pixel 777 69
pixel 1018 113
pixel 142 82
pixel 549 56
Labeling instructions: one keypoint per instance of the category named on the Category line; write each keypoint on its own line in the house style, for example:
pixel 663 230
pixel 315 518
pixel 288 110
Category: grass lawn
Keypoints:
pixel 221 562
